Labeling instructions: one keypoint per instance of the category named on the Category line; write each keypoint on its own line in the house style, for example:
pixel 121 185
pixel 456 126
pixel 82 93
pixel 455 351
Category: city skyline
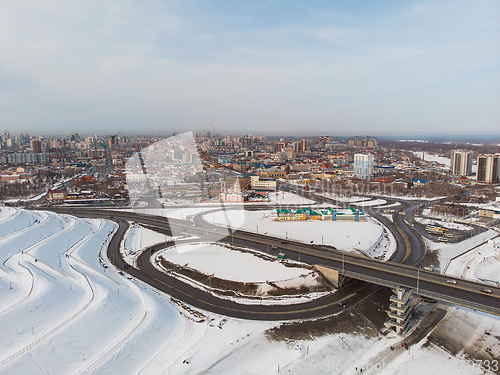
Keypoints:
pixel 427 68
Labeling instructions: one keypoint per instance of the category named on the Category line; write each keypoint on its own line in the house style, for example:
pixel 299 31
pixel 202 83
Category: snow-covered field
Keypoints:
pixel 284 197
pixel 246 267
pixel 228 264
pixel 344 235
pixel 369 236
pixel 434 157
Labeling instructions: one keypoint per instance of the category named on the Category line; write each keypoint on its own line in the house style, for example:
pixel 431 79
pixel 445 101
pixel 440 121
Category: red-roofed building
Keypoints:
pixel 59 195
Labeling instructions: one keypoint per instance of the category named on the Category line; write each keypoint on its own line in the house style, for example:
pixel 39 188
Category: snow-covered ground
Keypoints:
pixel 243 266
pixel 342 198
pixel 284 197
pixel 229 264
pixel 480 264
pixel 277 197
pixel 343 235
pixel 450 259
pixel 374 202
pixel 62 311
pixel 138 238
pixel 445 224
pixel 434 157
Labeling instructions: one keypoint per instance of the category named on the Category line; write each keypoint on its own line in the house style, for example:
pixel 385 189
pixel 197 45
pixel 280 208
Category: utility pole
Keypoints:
pixel 418 277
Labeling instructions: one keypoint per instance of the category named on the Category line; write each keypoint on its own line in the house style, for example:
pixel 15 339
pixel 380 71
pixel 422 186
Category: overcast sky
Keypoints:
pixel 282 67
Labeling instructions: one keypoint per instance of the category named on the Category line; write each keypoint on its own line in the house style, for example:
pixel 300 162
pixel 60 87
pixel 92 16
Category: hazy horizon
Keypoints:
pixel 381 69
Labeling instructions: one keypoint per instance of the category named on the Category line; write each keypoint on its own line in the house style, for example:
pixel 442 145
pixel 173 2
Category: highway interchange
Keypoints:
pixel 398 271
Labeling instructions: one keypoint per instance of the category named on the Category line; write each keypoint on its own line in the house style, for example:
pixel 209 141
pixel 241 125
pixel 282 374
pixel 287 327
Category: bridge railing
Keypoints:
pixel 423 292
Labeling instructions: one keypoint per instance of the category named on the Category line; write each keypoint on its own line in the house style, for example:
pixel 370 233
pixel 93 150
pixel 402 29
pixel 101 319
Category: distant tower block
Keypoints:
pixel 399 313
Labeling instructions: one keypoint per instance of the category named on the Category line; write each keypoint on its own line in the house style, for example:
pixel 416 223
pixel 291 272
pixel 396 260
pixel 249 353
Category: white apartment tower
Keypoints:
pixel 363 166
pixel 461 162
pixel 488 168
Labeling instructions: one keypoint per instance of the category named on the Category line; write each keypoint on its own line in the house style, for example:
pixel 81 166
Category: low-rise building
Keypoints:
pixel 56 195
pixel 258 183
pixel 284 214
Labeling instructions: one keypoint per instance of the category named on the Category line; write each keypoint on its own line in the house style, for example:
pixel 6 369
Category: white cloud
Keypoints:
pixel 119 66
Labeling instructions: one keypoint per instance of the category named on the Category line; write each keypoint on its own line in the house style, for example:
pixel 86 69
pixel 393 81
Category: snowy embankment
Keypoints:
pixel 137 238
pixel 344 235
pixel 246 272
pixel 459 259
pixel 481 263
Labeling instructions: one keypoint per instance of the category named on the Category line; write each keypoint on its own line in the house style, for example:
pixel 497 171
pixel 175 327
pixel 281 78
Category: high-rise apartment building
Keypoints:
pixel 488 168
pixel 303 145
pixel 461 162
pixel 367 143
pixel 5 136
pixel 36 146
pixel 363 166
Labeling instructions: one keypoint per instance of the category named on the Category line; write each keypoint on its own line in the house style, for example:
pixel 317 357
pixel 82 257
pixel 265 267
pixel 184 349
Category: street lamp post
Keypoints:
pixel 418 278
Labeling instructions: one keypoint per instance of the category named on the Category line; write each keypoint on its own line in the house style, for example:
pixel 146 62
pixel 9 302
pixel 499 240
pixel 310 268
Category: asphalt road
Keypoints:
pixel 353 292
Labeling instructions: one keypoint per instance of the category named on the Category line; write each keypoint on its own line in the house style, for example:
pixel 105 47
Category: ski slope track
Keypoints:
pixel 64 309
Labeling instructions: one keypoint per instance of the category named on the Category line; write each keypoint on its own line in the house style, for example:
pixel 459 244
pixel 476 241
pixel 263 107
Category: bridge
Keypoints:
pixel 388 274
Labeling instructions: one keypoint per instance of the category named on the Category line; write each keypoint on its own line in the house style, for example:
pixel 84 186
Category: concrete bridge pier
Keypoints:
pixel 333 276
pixel 400 308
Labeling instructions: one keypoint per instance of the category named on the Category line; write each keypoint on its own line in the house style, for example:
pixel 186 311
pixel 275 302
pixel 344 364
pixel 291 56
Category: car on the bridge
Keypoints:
pixel 281 255
pixel 489 291
pixel 451 281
